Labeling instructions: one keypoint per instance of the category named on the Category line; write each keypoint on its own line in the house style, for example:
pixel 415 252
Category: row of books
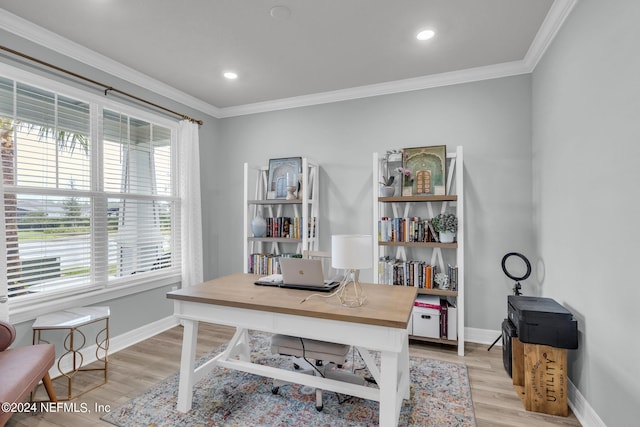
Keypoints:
pixel 413 273
pixel 413 229
pixel 283 226
pixel 406 273
pixel 267 264
pixel 288 227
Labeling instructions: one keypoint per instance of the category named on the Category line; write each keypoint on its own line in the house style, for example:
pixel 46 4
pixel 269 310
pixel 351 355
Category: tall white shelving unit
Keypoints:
pixel 304 207
pixel 434 252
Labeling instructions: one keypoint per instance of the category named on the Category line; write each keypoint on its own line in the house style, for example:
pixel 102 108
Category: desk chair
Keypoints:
pixel 315 357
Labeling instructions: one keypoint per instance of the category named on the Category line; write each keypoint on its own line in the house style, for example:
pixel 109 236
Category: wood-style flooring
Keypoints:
pixel 138 367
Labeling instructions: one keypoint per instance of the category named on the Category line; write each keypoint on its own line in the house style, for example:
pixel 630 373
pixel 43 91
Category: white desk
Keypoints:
pixel 379 325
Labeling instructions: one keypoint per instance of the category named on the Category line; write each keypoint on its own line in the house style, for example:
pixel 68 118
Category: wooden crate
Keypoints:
pixel 540 377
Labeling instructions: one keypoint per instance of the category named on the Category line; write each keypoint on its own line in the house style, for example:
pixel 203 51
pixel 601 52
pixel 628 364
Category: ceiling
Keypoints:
pixel 303 51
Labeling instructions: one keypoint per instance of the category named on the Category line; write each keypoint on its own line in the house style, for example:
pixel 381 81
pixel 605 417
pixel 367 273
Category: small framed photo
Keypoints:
pixel 424 171
pixel 279 170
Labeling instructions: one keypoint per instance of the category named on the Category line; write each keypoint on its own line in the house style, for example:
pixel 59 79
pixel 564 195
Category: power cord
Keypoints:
pixel 353 356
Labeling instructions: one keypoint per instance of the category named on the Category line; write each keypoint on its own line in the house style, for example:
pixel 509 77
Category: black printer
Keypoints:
pixel 543 321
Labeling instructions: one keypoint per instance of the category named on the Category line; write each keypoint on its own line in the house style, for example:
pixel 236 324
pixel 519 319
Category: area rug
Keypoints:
pixel 440 396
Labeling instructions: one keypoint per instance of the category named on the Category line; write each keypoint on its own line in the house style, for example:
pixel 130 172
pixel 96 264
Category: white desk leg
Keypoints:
pixel 244 355
pixel 187 365
pixel 405 369
pixel 388 389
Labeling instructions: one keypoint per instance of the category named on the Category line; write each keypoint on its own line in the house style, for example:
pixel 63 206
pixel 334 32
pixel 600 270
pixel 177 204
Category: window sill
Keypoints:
pixel 29 311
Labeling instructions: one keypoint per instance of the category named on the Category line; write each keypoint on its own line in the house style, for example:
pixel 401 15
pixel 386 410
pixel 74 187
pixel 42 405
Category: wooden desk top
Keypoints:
pixel 385 306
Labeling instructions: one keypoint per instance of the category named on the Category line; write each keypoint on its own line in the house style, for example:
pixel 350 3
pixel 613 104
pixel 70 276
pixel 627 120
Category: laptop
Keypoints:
pixel 299 273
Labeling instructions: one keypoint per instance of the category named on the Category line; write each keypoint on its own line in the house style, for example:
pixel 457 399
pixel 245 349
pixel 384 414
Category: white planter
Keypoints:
pixel 447 236
pixel 387 190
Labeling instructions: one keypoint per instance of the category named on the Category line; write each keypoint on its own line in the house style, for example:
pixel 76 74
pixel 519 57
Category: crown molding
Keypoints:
pixel 50 40
pixel 558 12
pixel 552 23
pixel 418 83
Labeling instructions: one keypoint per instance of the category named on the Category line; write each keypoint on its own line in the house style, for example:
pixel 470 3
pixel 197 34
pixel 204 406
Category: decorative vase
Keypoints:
pixel 387 190
pixel 258 225
pixel 447 236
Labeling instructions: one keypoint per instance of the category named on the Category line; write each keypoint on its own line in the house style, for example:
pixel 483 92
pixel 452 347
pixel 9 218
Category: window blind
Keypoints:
pixel 88 194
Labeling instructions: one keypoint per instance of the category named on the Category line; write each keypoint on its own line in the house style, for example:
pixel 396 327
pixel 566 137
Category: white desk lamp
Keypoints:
pixel 351 252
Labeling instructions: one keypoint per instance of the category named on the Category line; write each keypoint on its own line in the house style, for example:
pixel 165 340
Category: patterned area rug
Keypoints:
pixel 440 396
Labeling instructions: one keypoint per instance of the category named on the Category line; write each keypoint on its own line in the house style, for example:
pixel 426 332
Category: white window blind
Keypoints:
pixel 88 194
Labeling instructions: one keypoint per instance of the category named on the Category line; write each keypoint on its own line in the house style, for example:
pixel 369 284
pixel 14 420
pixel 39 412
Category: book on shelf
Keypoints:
pixel 428 301
pixel 444 314
pixel 452 321
pixel 312 228
pixel 266 263
pixel 452 272
pixel 283 227
pixel 411 229
pixel 419 274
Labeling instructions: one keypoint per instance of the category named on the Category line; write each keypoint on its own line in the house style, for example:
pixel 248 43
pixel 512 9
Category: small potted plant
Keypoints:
pixel 442 280
pixel 387 189
pixel 446 225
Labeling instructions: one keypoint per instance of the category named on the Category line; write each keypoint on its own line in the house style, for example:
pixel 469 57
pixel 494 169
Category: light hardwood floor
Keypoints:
pixel 134 369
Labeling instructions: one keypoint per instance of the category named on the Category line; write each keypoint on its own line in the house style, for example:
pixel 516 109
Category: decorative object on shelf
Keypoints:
pixel 446 225
pixel 387 189
pixel 277 178
pixel 351 252
pixel 258 225
pixel 442 280
pixel 292 185
pixel 427 168
pixel 392 161
pixel 299 186
pixel 407 181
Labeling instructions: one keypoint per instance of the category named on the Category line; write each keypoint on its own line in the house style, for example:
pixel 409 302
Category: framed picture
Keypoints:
pixel 279 169
pixel 424 171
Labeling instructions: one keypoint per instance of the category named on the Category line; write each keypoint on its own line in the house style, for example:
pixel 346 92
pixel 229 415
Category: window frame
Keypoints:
pixel 29 309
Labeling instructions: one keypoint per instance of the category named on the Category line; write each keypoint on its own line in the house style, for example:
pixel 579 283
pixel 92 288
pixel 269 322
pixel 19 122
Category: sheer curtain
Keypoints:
pixel 191 215
pixel 4 292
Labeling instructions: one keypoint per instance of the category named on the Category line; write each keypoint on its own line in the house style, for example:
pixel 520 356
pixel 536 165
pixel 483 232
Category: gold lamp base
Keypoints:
pixel 350 292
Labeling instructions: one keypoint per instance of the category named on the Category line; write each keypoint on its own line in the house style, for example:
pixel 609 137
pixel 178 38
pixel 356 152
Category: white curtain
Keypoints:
pixel 4 291
pixel 191 216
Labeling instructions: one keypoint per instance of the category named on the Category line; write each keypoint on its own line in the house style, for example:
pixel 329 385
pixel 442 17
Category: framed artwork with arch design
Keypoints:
pixel 425 170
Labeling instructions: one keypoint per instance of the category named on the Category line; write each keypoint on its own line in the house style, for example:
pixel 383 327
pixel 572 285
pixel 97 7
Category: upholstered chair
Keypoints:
pixel 22 368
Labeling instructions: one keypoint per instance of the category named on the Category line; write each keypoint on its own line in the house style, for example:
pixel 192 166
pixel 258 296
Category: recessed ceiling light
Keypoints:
pixel 230 75
pixel 280 12
pixel 425 34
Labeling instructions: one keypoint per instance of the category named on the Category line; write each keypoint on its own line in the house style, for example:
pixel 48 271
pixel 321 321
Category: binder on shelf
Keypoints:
pixel 452 322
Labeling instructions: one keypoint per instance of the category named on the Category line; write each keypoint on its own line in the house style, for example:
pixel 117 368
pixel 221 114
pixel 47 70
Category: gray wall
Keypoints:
pixel 490 119
pixel 586 129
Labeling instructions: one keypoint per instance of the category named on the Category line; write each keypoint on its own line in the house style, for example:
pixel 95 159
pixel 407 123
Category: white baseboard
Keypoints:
pixel 117 343
pixel 580 407
pixel 482 336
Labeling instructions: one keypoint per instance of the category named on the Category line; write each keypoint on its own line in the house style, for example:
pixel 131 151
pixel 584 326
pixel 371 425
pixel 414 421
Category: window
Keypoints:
pixel 89 195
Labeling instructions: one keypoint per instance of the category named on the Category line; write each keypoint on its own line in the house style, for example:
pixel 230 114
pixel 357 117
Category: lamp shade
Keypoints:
pixel 351 251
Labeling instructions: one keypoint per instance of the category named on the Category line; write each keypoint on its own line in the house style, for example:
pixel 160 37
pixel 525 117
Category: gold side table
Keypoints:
pixel 71 320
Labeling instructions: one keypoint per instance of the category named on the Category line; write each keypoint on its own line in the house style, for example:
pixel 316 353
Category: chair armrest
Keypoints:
pixel 7 335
